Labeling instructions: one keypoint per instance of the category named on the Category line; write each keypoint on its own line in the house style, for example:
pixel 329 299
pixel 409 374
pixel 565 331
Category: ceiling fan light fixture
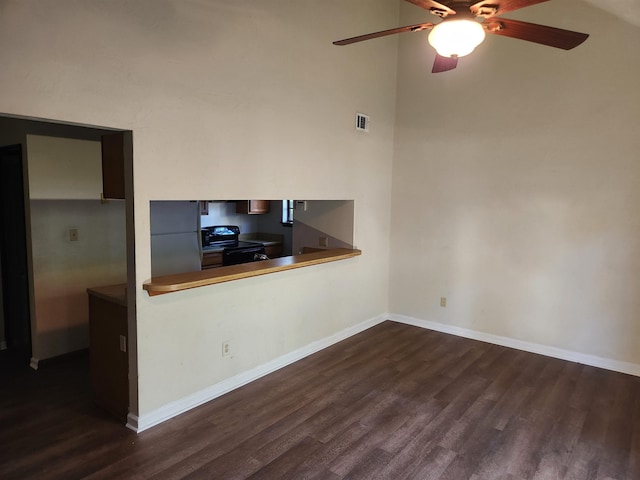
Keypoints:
pixel 456 38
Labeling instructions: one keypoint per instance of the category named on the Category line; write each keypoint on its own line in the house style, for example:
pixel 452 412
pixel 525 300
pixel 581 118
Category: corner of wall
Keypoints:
pixel 571 356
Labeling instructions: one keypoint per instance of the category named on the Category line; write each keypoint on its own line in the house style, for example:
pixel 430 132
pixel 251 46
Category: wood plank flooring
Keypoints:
pixel 394 402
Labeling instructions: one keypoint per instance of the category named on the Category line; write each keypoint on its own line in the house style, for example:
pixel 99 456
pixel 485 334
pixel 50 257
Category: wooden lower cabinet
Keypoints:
pixel 273 251
pixel 211 260
pixel 109 363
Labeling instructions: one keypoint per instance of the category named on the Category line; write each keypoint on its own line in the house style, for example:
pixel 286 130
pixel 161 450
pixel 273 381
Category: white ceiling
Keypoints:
pixel 628 10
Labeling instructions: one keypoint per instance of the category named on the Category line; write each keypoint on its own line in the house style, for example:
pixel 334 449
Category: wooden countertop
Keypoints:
pixel 112 293
pixel 184 281
pixel 267 239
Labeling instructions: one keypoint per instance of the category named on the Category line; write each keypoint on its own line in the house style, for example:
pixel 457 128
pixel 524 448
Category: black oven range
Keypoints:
pixel 234 251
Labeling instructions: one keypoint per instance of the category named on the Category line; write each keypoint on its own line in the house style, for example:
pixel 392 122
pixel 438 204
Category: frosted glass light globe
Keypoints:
pixel 456 38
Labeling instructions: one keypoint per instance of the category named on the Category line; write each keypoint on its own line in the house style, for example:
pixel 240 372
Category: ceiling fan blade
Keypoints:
pixel 436 7
pixel 384 33
pixel 487 8
pixel 531 32
pixel 444 64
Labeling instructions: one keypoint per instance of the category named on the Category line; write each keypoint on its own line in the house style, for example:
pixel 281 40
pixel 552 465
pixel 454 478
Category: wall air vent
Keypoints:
pixel 362 122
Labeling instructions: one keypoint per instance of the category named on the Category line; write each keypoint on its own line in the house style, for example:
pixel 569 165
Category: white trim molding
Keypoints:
pixel 132 422
pixel 170 410
pixel 34 363
pixel 592 360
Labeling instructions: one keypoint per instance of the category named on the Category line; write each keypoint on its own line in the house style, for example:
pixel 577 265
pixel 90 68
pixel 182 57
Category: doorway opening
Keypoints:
pixel 57 231
pixel 15 330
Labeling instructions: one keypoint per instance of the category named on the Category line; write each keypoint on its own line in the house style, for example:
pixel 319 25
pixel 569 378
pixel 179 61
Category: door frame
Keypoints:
pixel 17 127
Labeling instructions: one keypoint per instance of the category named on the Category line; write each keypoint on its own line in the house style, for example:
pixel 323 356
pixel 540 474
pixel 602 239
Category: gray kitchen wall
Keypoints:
pixel 222 212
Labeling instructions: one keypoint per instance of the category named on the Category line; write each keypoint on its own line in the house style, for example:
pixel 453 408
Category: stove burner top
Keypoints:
pixel 234 250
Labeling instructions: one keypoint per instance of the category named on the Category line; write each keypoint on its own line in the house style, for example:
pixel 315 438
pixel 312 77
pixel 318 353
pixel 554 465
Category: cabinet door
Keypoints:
pixel 115 148
pixel 273 251
pixel 109 364
pixel 259 206
pixel 211 260
pixel 253 207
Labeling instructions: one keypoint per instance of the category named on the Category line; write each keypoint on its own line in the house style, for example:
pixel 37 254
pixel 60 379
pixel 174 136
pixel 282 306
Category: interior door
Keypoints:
pixel 13 254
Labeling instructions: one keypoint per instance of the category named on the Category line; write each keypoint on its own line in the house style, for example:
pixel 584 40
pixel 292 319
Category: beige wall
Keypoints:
pixel 243 99
pixel 327 218
pixel 514 177
pixel 64 168
pixel 515 188
pixel 63 270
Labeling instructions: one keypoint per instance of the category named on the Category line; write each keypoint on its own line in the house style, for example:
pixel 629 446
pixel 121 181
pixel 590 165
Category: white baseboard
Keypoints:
pixel 3 345
pixel 170 410
pixel 592 360
pixel 34 363
pixel 132 422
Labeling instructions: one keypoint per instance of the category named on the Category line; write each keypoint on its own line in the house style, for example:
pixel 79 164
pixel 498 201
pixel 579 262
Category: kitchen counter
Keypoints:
pixel 273 243
pixel 112 293
pixel 184 281
pixel 109 363
pixel 267 239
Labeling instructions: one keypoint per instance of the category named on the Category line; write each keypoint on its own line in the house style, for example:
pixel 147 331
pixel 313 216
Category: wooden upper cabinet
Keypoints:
pixel 252 207
pixel 115 148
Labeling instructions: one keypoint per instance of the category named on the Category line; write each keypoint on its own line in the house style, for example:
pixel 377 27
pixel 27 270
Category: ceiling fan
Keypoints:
pixel 465 23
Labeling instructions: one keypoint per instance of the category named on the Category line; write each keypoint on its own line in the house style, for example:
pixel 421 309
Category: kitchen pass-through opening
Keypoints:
pixel 191 236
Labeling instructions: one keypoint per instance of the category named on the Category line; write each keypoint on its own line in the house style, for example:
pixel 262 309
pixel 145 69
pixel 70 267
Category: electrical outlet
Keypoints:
pixel 323 242
pixel 73 234
pixel 123 343
pixel 226 349
pixel 443 301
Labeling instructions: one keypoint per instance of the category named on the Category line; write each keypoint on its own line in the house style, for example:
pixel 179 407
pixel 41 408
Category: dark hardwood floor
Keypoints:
pixel 393 402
